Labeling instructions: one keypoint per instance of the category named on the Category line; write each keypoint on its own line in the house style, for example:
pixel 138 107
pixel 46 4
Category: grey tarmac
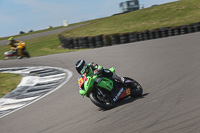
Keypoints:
pixel 167 68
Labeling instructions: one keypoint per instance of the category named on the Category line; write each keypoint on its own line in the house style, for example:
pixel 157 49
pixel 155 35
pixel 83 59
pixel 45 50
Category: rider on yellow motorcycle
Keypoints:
pixel 19 45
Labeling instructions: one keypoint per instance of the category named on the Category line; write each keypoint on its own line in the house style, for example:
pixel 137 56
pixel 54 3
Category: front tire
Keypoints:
pixel 95 98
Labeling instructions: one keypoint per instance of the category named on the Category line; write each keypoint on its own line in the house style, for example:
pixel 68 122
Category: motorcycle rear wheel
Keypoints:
pixel 100 103
pixel 136 92
pixel 26 54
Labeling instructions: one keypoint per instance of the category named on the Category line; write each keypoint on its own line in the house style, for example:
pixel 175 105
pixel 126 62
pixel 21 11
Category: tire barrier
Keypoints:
pixel 83 42
pixel 122 38
pixel 197 27
pixel 141 36
pixel 164 32
pixel 146 35
pixel 177 31
pixel 76 44
pixel 152 34
pixel 91 41
pixel 99 41
pixel 107 40
pixel 171 31
pixel 115 39
pixel 158 33
pixel 133 37
pixel 191 29
pixel 184 29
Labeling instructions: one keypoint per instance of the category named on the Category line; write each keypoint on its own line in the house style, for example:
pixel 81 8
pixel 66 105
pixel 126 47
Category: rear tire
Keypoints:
pixel 136 92
pixel 100 103
pixel 26 54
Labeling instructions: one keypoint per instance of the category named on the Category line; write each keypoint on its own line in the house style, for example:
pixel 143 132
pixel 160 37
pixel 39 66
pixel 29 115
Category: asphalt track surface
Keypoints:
pixel 167 68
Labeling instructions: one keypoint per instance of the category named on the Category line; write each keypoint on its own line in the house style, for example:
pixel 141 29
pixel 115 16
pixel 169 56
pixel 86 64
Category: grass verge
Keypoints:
pixel 41 46
pixel 167 15
pixel 44 30
pixel 8 82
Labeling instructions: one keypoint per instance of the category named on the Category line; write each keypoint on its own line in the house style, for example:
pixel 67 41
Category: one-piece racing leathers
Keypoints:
pixel 19 45
pixel 93 69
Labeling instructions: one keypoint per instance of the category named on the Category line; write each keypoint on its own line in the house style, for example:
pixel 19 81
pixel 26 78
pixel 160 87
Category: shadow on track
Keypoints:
pixel 125 101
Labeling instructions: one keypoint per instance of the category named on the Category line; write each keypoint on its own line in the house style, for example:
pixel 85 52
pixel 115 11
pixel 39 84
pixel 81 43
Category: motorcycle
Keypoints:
pixel 105 92
pixel 13 54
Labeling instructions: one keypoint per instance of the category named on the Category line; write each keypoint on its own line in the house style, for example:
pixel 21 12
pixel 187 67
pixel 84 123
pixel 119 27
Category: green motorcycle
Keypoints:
pixel 104 92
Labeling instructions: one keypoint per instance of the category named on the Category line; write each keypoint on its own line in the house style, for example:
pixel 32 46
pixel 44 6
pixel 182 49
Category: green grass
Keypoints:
pixel 41 46
pixel 166 15
pixel 44 30
pixel 45 46
pixel 8 82
pixel 34 32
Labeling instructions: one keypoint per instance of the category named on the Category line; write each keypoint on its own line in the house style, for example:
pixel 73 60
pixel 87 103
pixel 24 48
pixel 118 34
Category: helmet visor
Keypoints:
pixel 83 69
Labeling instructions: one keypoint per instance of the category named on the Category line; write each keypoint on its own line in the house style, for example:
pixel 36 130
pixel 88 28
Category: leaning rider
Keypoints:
pixel 16 44
pixel 89 69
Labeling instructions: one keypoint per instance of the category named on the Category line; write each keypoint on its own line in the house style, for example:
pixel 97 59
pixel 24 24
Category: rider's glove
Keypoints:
pixel 98 71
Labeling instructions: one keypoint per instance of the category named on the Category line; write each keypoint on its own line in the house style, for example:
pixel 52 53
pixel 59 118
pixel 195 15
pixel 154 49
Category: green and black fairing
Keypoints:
pixel 92 68
pixel 87 82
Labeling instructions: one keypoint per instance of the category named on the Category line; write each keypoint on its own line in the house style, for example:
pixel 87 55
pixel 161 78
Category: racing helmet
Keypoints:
pixel 11 41
pixel 81 66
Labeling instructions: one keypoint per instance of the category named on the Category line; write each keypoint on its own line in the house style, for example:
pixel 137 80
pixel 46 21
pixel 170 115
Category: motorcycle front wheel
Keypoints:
pixel 99 101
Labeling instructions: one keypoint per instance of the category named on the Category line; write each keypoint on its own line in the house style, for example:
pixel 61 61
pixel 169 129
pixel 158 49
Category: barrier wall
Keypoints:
pixel 122 38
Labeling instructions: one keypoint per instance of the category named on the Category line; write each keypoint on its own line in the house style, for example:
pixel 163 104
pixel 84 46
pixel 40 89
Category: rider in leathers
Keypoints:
pixel 82 67
pixel 19 45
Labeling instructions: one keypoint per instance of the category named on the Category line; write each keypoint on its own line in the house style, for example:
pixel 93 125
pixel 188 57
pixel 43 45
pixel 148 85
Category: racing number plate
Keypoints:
pixel 80 82
pixel 128 91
